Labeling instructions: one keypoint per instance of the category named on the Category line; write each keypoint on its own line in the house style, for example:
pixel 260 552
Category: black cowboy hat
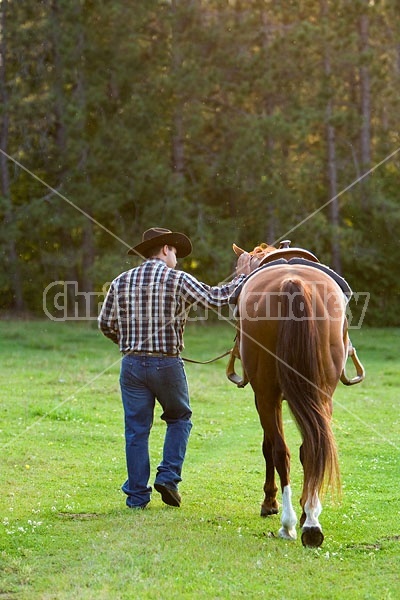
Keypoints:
pixel 157 237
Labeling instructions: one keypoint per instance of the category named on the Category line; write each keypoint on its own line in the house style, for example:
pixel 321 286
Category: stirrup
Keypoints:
pixel 230 369
pixel 358 366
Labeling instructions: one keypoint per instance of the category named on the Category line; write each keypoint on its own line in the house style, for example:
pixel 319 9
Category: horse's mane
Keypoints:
pixel 262 250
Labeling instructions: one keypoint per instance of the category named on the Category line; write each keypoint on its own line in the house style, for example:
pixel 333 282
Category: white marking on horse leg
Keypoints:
pixel 312 509
pixel 289 519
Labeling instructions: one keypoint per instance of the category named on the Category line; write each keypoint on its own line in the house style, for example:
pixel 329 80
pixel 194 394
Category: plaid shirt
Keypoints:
pixel 146 308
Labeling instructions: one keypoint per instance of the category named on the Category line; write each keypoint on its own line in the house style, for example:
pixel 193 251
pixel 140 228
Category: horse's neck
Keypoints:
pixel 256 260
pixel 259 254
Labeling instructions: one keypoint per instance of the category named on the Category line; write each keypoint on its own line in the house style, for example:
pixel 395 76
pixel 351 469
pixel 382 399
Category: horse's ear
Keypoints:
pixel 238 251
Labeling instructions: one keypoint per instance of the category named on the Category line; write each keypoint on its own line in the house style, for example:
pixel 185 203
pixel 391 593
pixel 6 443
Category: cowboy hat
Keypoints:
pixel 157 237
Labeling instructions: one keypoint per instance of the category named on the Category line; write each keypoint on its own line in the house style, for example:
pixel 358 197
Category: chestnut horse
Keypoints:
pixel 293 346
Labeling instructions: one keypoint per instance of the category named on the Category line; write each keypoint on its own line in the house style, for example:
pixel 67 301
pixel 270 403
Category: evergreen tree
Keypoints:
pixel 232 121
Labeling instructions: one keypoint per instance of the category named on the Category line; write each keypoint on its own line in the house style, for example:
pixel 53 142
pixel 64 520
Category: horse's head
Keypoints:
pixel 248 261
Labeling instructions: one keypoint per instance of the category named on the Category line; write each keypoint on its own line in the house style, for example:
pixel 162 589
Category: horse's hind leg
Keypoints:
pixel 312 535
pixel 289 519
pixel 277 455
pixel 270 505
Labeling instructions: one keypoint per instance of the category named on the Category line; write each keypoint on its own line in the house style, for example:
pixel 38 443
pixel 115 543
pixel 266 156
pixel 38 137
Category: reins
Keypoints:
pixel 207 362
pixel 230 369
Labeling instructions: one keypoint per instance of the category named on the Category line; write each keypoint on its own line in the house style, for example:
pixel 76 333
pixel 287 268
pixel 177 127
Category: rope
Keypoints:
pixel 206 362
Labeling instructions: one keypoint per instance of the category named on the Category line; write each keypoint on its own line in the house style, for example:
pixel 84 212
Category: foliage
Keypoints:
pixel 206 117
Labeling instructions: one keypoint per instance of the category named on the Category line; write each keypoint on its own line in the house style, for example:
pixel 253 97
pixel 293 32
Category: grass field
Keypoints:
pixel 65 531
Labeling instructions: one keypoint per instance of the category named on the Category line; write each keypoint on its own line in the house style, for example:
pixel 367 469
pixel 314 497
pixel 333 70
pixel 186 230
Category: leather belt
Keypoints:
pixel 139 353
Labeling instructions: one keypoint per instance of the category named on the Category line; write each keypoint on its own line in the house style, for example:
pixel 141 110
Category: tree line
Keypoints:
pixel 232 121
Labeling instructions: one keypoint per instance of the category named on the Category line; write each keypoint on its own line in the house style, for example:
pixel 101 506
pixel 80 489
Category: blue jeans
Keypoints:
pixel 144 379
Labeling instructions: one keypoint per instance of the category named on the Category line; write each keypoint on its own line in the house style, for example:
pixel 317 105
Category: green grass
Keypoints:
pixel 65 532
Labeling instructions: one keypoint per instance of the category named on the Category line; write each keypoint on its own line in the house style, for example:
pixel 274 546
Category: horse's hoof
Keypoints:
pixel 287 534
pixel 268 511
pixel 312 537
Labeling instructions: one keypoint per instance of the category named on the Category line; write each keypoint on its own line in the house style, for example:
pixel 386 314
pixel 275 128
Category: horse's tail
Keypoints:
pixel 301 376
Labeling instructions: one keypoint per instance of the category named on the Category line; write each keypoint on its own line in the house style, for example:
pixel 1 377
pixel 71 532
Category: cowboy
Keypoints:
pixel 144 312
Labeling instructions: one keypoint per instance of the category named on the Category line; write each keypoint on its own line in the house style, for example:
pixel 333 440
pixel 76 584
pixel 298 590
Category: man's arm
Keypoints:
pixel 194 291
pixel 107 321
